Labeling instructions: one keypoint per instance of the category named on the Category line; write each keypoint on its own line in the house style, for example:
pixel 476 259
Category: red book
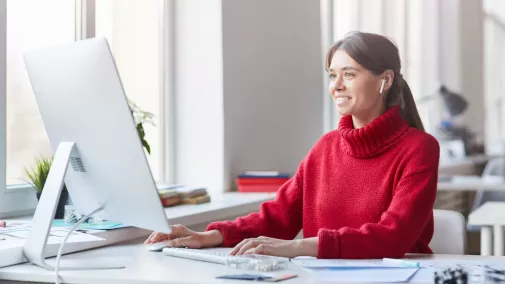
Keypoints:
pixel 260 184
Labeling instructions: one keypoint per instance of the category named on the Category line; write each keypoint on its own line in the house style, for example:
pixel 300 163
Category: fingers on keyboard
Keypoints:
pixel 156 237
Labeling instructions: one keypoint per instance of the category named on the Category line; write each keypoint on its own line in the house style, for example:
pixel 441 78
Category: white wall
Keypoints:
pixel 462 56
pixel 272 83
pixel 248 92
pixel 199 93
pixel 472 57
pixel 371 16
pixel 430 60
pixel 495 7
pixel 450 49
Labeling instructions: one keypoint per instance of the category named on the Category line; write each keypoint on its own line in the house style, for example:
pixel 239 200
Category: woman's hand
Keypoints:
pixel 184 237
pixel 269 246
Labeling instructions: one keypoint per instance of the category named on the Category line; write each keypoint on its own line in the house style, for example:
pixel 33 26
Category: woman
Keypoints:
pixel 365 190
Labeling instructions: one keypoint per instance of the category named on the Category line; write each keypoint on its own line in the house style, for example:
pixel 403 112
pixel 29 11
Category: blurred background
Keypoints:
pixel 252 71
pixel 238 85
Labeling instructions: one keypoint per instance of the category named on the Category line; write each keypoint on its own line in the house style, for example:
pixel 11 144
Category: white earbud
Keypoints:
pixel 382 85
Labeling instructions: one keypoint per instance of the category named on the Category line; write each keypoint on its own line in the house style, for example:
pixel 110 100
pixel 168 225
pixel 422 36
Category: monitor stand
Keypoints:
pixel 46 209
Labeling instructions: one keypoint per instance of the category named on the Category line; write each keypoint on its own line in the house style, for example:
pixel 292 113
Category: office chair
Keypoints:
pixel 449 236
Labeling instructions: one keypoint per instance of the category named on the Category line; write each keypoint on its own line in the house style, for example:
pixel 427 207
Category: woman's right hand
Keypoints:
pixel 184 237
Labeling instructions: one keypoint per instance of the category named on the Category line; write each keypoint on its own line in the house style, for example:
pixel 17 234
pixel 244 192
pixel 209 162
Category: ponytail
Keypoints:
pixel 409 109
pixel 400 95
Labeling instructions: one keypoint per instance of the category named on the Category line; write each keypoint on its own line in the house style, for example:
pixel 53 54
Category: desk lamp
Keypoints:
pixel 455 105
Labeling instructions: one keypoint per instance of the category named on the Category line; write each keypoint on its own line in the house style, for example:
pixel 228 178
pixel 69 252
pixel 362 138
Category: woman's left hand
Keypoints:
pixel 269 246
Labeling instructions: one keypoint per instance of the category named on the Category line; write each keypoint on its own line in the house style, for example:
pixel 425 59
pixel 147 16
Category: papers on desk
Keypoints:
pixel 375 275
pixel 335 264
pixel 344 264
pixel 13 226
pixel 369 270
pixel 20 231
pixel 337 270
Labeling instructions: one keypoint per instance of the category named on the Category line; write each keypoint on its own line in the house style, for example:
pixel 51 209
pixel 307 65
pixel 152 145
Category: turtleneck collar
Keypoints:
pixel 375 137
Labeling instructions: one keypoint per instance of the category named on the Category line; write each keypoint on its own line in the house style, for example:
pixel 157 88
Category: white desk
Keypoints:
pixel 463 172
pixel 148 267
pixel 491 217
pixel 222 206
pixel 151 267
pixel 466 165
pixel 470 183
pixel 143 266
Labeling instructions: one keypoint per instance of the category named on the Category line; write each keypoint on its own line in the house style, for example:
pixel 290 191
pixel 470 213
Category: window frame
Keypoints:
pixel 3 101
pixel 494 98
pixel 168 147
pixel 19 200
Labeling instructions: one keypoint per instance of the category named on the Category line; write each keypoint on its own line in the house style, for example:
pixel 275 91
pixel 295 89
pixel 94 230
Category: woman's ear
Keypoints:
pixel 387 80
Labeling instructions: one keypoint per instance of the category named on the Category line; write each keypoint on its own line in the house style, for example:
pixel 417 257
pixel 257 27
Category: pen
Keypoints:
pixel 402 262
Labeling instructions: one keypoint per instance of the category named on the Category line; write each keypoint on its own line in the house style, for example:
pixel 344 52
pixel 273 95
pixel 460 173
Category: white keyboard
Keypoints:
pixel 197 254
pixel 249 262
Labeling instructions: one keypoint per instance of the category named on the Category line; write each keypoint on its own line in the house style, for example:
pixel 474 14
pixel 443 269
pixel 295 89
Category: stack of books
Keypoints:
pixel 171 195
pixel 261 181
pixel 193 195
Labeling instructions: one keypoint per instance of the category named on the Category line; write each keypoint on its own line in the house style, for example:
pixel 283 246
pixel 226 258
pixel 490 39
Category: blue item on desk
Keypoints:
pixel 90 226
pixel 401 262
pixel 245 277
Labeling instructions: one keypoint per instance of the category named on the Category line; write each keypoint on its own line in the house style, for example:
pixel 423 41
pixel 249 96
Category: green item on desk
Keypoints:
pixel 87 226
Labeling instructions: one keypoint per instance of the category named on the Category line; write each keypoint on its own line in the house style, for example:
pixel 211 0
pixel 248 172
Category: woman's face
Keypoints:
pixel 355 90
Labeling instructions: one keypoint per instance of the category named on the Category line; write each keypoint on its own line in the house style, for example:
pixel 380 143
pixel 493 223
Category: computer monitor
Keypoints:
pixel 90 127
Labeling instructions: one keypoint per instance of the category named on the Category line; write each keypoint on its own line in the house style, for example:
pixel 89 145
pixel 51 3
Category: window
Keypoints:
pixel 140 36
pixel 494 84
pixel 135 34
pixel 30 25
pixel 134 31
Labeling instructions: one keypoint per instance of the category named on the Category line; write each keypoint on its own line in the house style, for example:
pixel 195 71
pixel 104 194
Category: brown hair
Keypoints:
pixel 378 54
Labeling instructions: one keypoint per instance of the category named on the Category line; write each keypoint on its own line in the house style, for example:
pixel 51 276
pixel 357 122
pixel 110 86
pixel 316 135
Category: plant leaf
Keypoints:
pixel 146 145
pixel 38 174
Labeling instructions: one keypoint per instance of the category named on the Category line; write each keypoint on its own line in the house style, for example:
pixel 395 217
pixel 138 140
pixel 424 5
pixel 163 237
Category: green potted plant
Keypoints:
pixel 37 176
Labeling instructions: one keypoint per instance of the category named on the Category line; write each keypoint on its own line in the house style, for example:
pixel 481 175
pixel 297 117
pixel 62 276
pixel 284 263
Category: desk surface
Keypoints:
pixel 142 266
pixel 223 206
pixel 472 160
pixel 489 213
pixel 148 267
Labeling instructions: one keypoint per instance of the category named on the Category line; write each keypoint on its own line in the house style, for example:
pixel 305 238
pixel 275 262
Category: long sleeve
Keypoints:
pixel 279 218
pixel 403 222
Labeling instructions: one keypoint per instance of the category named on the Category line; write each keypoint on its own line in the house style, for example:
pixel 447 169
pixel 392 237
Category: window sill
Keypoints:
pixel 18 200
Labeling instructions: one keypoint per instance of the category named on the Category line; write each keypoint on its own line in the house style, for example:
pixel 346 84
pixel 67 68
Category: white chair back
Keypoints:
pixel 450 233
pixel 493 172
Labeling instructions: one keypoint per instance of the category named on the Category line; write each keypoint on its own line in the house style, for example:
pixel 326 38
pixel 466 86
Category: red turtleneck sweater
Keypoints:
pixel 365 193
